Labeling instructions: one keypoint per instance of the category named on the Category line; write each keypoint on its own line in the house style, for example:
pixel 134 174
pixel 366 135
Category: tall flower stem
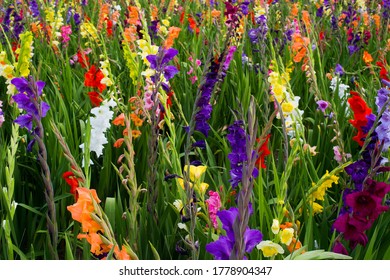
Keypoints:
pixel 51 218
pixel 241 223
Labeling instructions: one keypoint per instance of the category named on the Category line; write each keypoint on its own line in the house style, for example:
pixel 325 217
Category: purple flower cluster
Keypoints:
pixel 17 27
pixel 383 129
pixel 34 8
pixel 365 207
pixel 223 247
pixel 234 12
pixel 237 139
pixel 259 34
pixel 28 99
pixel 203 113
pixel 386 10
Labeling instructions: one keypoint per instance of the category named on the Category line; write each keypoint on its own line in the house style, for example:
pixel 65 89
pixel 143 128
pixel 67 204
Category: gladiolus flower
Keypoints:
pixel 287 235
pixel 195 172
pixel 83 208
pixel 72 181
pixel 275 226
pixel 213 205
pixel 270 248
pixel 367 58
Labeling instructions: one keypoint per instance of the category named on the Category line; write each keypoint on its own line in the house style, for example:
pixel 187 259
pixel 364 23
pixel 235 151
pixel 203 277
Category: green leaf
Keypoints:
pixel 155 253
pixel 109 209
pixel 68 249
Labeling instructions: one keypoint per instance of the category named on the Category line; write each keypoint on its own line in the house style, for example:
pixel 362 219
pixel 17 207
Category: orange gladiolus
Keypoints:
pixel 294 10
pixel 119 120
pixel 286 225
pixel 81 211
pixel 97 245
pixel 172 35
pixel 122 254
pixel 306 20
pixel 133 15
pixel 118 143
pixel 377 20
pixel 215 13
pixel 299 47
pixel 294 245
pixel 136 133
pixel 367 58
pixel 136 120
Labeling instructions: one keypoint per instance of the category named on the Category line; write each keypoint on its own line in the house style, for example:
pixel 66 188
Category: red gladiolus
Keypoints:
pixel 193 26
pixel 83 59
pixel 383 74
pixel 263 152
pixel 360 113
pixel 95 98
pixel 72 181
pixel 93 78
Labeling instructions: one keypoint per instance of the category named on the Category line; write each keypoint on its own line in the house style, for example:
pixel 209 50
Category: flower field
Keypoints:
pixel 194 130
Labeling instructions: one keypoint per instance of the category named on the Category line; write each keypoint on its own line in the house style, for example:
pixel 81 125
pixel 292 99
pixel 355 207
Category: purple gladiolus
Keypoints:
pixel 160 62
pixel 27 99
pixel 237 140
pixel 339 70
pixel 222 248
pixel 322 105
pixel 34 8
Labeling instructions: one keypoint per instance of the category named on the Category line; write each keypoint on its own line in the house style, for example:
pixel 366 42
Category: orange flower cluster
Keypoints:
pixel 173 33
pixel 135 119
pixel 83 208
pixel 82 212
pixel 299 47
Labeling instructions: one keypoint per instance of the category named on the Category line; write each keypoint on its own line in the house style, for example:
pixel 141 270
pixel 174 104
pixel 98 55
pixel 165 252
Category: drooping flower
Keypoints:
pixel 269 248
pixel 339 248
